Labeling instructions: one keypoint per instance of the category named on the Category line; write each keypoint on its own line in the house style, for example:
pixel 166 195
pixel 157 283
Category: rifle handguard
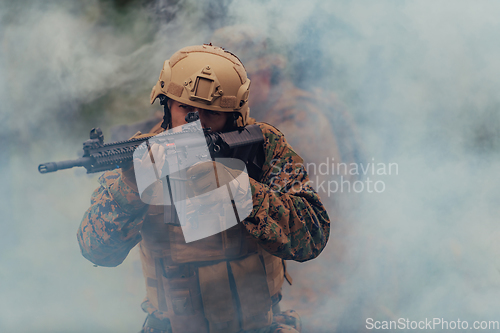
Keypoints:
pixel 99 156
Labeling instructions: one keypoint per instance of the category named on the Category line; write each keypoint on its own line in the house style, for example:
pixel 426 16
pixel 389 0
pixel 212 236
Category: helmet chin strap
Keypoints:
pixel 166 112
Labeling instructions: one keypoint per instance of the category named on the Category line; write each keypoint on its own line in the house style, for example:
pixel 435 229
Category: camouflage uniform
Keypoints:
pixel 288 218
pixel 327 135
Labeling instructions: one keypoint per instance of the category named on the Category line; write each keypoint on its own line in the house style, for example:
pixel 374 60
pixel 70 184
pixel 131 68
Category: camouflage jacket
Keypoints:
pixel 288 217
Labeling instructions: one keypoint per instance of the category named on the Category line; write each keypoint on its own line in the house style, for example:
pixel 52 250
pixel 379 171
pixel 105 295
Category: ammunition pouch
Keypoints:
pixel 222 283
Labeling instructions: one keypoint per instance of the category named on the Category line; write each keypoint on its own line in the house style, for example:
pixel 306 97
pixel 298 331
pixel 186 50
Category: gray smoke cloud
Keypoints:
pixel 420 79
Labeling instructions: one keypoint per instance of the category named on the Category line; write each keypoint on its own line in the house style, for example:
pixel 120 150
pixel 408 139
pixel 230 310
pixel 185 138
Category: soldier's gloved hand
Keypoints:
pixel 204 177
pixel 219 189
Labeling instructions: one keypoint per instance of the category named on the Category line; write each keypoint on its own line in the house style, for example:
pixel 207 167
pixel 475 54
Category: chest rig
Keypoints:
pixel 220 284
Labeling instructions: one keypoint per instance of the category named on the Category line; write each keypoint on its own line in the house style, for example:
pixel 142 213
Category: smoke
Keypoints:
pixel 419 78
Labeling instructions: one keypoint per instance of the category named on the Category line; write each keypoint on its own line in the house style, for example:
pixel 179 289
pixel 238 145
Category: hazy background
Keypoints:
pixel 421 79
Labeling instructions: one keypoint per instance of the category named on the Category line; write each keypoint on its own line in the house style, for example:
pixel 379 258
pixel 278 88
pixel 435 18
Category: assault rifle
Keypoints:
pixel 242 143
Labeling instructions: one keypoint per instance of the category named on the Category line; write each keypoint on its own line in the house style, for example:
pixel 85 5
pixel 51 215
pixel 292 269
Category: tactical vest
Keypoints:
pixel 222 283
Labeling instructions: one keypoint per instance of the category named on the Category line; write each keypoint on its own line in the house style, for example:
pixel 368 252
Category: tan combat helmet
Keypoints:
pixel 205 77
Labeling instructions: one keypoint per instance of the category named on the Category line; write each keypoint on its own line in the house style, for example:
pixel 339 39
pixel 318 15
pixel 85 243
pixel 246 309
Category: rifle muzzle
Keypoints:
pixel 54 166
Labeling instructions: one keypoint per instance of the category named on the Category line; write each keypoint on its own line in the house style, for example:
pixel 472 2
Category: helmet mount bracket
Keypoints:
pixel 203 86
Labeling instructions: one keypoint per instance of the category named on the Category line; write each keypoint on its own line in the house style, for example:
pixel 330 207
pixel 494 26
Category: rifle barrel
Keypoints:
pixel 54 166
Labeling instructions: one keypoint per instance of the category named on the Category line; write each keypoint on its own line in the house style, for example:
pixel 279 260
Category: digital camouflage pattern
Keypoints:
pixel 288 217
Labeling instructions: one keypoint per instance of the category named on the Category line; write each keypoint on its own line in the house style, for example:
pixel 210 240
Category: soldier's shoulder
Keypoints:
pixel 269 130
pixel 109 177
pixel 275 142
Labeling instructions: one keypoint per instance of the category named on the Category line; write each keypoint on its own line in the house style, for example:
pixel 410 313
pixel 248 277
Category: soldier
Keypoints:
pixel 231 281
pixel 327 136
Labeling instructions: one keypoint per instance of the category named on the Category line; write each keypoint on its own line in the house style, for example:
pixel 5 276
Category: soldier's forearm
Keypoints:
pixel 108 252
pixel 110 227
pixel 293 227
